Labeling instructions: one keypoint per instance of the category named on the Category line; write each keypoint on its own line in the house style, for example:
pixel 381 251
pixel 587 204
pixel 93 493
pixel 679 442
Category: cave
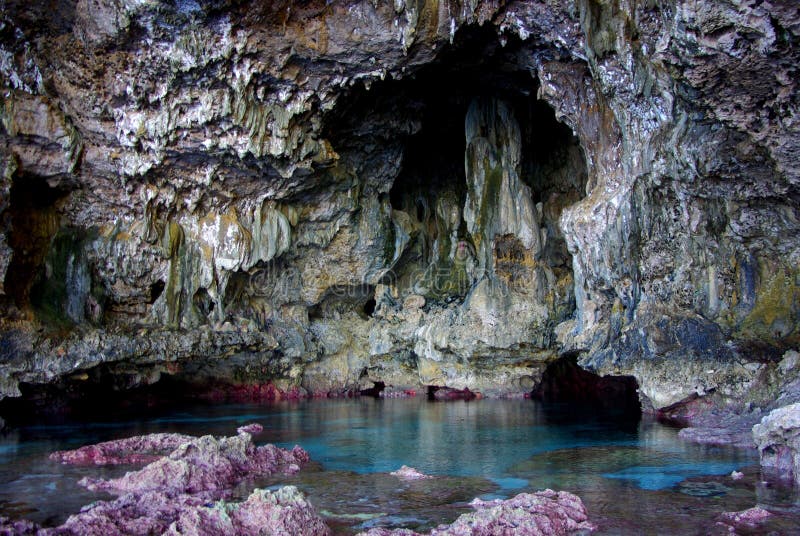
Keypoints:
pixel 203 302
pixel 34 222
pixel 422 116
pixel 369 307
pixel 566 382
pixel 156 289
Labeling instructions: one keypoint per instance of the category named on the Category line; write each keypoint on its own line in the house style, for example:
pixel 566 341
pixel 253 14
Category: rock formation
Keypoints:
pixel 740 522
pixel 778 439
pixel 409 473
pixel 177 463
pixel 185 488
pixel 450 194
pixel 132 450
pixel 284 512
pixel 544 513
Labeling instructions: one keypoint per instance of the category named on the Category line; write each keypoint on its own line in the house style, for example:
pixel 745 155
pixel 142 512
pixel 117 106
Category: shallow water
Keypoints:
pixel 635 477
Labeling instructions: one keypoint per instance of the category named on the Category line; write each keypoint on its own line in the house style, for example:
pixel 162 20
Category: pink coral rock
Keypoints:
pixel 746 519
pixel 179 492
pixel 284 512
pixel 545 513
pixel 409 473
pixel 132 450
pixel 252 429
pixel 204 464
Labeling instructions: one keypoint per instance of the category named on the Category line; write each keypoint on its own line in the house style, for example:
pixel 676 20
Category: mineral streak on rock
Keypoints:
pixel 326 196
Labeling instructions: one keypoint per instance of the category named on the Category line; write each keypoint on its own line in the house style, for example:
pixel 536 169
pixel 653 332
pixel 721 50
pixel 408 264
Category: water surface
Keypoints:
pixel 635 477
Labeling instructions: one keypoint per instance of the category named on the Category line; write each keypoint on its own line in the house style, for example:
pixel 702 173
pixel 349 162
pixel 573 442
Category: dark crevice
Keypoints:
pixel 374 391
pixel 369 307
pixel 564 381
pixel 156 289
pixel 34 223
pixel 100 393
pixel 344 299
pixel 443 394
pixel 203 302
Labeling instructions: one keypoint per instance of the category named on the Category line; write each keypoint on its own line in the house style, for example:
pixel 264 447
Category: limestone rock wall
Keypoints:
pixel 335 193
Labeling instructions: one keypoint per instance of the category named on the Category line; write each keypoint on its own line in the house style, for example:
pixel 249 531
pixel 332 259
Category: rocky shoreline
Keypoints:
pixel 185 484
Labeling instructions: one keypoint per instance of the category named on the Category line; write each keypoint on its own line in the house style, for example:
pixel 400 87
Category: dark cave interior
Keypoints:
pixel 422 116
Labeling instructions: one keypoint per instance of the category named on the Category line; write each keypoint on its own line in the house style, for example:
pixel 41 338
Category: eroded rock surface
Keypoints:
pixel 200 464
pixel 745 520
pixel 528 514
pixel 132 450
pixel 716 419
pixel 284 512
pixel 409 473
pixel 778 439
pixel 185 489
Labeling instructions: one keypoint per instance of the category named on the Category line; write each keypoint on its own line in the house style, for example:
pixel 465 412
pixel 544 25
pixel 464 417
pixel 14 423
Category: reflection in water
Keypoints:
pixel 632 475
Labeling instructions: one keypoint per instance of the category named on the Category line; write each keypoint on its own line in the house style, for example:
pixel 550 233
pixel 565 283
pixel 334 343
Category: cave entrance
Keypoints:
pixel 35 221
pixel 423 116
pixel 564 381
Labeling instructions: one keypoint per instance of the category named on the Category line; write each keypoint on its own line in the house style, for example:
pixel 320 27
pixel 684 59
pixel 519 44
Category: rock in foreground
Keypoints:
pixel 182 491
pixel 196 464
pixel 545 513
pixel 131 450
pixel 282 512
pixel 748 519
pixel 778 440
pixel 285 512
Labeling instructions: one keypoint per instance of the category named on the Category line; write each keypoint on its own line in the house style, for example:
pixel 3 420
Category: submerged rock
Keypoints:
pixel 544 513
pixel 409 473
pixel 778 440
pixel 284 512
pixel 740 435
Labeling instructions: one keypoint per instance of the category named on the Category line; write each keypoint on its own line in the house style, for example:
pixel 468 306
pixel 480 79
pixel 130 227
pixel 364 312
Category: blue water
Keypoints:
pixel 621 468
